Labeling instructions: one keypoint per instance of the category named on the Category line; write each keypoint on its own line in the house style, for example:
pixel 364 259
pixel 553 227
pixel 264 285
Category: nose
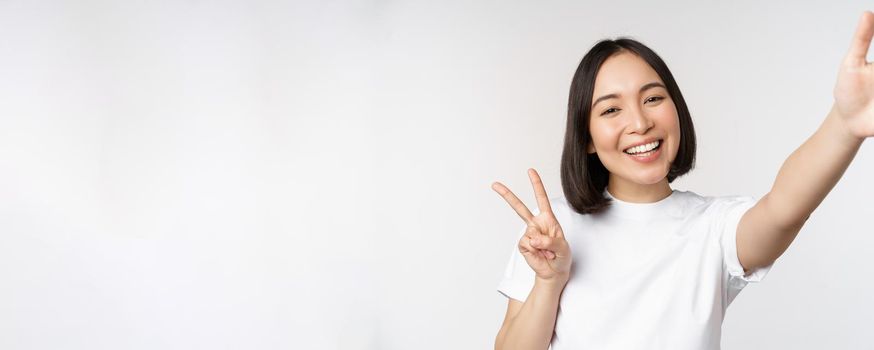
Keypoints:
pixel 639 123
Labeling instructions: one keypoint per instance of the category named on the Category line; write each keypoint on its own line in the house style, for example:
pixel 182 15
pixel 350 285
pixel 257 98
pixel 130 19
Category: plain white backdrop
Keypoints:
pixel 291 175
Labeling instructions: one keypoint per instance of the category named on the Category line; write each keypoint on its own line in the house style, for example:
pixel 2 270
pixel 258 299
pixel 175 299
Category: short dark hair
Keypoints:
pixel 583 176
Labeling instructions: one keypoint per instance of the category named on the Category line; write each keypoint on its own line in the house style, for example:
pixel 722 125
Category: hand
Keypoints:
pixel 543 245
pixel 854 91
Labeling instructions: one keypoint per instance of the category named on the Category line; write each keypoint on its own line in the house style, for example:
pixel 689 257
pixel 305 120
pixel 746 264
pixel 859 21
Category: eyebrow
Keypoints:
pixel 642 89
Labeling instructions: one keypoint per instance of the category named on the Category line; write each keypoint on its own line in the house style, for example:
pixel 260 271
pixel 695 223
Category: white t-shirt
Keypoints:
pixel 645 275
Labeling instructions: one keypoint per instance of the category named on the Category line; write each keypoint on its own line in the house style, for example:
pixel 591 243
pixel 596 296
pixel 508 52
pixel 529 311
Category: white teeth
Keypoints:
pixel 643 148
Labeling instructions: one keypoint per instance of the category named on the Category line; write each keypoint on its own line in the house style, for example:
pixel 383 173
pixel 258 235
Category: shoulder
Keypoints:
pixel 718 203
pixel 684 203
pixel 560 207
pixel 559 204
pixel 693 197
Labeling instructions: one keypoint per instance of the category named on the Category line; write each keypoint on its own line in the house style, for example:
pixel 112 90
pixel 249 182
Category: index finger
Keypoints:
pixel 539 192
pixel 861 39
pixel 514 202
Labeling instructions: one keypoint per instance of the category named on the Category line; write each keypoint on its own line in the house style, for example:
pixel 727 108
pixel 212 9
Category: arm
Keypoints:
pixel 548 254
pixel 807 176
pixel 768 228
pixel 533 326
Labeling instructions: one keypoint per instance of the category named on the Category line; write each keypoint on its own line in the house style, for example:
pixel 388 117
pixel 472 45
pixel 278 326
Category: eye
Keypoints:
pixel 654 98
pixel 609 110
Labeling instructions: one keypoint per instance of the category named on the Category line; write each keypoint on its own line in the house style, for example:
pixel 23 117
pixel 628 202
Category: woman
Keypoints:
pixel 622 261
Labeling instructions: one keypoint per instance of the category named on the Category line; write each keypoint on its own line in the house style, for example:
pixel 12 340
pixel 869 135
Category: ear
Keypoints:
pixel 590 148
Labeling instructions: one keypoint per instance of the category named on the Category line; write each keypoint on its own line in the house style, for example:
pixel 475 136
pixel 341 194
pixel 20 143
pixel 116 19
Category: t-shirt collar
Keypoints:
pixel 640 210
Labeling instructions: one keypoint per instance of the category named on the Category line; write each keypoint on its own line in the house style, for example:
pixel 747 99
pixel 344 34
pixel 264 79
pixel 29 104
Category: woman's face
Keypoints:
pixel 631 106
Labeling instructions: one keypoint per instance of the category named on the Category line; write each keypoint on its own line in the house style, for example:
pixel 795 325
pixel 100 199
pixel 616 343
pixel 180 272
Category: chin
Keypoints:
pixel 650 179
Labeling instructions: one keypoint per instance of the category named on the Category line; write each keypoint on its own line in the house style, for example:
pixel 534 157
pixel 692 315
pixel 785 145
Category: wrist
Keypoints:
pixel 841 130
pixel 555 283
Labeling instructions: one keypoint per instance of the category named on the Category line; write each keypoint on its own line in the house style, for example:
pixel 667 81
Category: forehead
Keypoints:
pixel 623 72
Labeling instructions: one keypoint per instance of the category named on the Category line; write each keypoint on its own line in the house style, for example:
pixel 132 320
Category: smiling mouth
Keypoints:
pixel 644 149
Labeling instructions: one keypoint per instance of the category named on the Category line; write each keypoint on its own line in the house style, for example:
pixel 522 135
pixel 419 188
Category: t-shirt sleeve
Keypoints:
pixel 729 218
pixel 518 279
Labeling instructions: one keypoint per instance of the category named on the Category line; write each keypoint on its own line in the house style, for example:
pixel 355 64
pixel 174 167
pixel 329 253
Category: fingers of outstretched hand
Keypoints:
pixel 514 202
pixel 861 39
pixel 539 191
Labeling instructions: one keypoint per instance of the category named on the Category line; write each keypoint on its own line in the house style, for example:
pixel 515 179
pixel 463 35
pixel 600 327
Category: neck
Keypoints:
pixel 631 192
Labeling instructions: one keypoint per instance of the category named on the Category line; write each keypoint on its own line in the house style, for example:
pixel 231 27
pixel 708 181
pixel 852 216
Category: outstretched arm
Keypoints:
pixel 766 230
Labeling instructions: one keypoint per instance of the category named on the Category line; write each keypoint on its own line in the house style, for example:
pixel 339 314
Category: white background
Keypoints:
pixel 283 175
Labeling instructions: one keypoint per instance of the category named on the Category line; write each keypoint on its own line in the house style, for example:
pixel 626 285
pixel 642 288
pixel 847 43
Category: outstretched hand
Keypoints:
pixel 854 91
pixel 543 245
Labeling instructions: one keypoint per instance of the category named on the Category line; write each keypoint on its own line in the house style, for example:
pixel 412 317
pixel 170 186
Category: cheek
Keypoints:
pixel 668 119
pixel 603 135
pixel 666 113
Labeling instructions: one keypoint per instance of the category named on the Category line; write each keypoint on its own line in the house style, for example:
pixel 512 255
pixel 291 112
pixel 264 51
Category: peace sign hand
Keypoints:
pixel 543 245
